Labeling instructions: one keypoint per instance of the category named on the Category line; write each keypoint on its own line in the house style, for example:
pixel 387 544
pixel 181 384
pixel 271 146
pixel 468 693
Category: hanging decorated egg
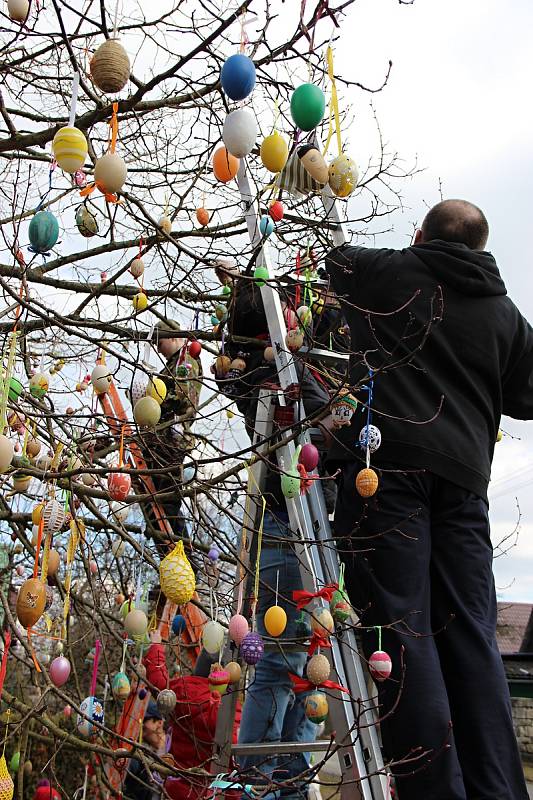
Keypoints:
pixel 53 516
pixel 322 621
pixel 269 354
pixel 138 389
pixel 294 340
pixel 238 628
pixel 370 437
pixel 266 226
pixel 31 601
pixel 366 482
pixel 147 412
pixel 225 166
pixel 343 175
pixel 15 389
pixel 318 669
pixel 101 379
pixel 380 665
pixel 261 274
pixel 222 365
pixel 126 607
pixel 39 384
pixel 119 485
pixel 202 215
pixel 7 451
pixel 136 622
pixel 166 702
pixel 309 456
pixel 165 223
pixel 137 267
pixel 139 302
pixel 91 714
pixel 340 606
pixel 195 348
pixel 316 707
pixel 218 679
pixel 274 152
pixel 213 636
pixel 118 547
pixel 176 576
pixel 33 447
pixel 276 210
pixel 43 231
pixel 110 67
pixel 14 764
pixel 69 147
pixel 275 620
pixel 234 671
pixel 252 648
pixel 179 625
pixel 54 560
pixel 308 105
pixel 110 173
pixel 86 222
pixel 18 11
pixel 157 389
pixel 239 132
pixel 213 554
pixel 291 483
pixel 59 671
pixel 120 686
pixel 237 76
pixel 313 162
pixel 342 408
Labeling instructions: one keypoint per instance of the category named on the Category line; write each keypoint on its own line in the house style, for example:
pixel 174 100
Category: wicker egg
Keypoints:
pixel 39 384
pixel 370 437
pixel 322 621
pixel 54 561
pixel 275 620
pixel 92 714
pixel 166 702
pixel 147 412
pixel 213 636
pixel 294 340
pixel 7 787
pixel 225 165
pixel 343 175
pixel 18 11
pixel 110 173
pixel 43 231
pixel 120 686
pixel 316 707
pixel 110 67
pixel 137 267
pixel 7 451
pixel 53 517
pixel 86 222
pixel 157 389
pixel 318 669
pixel 234 670
pixel 366 482
pixel 31 601
pixel 274 152
pixel 101 379
pixel 239 132
pixel 380 665
pixel 178 583
pixel 202 215
pixel 238 628
pixel 252 648
pixel 69 147
pixel 313 162
pixel 59 671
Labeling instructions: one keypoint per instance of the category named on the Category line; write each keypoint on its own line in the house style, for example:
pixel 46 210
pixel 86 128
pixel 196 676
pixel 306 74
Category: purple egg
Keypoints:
pixel 59 671
pixel 309 456
pixel 252 648
pixel 142 694
pixel 213 554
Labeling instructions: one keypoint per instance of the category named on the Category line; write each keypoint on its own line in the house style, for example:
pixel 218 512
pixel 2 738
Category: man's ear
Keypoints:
pixel 419 236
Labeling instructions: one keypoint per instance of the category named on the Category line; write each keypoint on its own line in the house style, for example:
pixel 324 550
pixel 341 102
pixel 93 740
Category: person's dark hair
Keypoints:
pixel 457 221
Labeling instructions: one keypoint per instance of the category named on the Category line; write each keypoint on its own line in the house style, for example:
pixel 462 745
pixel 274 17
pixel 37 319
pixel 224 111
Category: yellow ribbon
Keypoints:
pixel 334 105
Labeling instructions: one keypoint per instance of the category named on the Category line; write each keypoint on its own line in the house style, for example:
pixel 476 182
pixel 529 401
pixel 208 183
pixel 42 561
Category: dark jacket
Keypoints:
pixel 450 352
pixel 138 784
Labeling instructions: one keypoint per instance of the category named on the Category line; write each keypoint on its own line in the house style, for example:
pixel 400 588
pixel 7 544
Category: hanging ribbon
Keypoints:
pixel 12 352
pixel 3 668
pixel 74 99
pixel 252 480
pixel 302 598
pixel 317 640
pixel 303 685
pixel 378 629
pixel 121 447
pixel 38 547
pixel 95 667
pixel 298 267
pixel 334 106
pixel 113 135
pixel 113 125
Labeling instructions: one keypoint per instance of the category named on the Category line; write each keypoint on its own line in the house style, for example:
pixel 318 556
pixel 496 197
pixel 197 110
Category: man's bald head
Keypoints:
pixel 456 221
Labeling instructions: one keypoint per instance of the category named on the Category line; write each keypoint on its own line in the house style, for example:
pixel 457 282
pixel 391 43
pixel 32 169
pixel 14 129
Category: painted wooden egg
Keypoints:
pixel 176 576
pixel 59 671
pixel 237 76
pixel 53 516
pixel 202 215
pixel 18 9
pixel 340 606
pixel 274 152
pixel 157 389
pixel 343 175
pixel 110 173
pixel 238 628
pixel 366 482
pixel 239 132
pixel 225 166
pixel 136 622
pixel 119 485
pixel 252 648
pixel 43 231
pixel 266 225
pixel 342 409
pixel 276 210
pixel 380 665
pixel 322 622
pixel 54 560
pixel 309 456
pixel 110 67
pixel 137 267
pixel 218 679
pixel 294 340
pixel 7 787
pixel 39 384
pixel 234 671
pixel 139 302
pixel 308 105
pixel 313 162
pixel 31 601
pixel 120 686
pixel 275 620
pixel 147 412
pixel 166 702
pixel 370 437
pixel 101 379
pixel 92 714
pixel 318 669
pixel 86 222
pixel 7 451
pixel 213 636
pixel 316 707
pixel 69 147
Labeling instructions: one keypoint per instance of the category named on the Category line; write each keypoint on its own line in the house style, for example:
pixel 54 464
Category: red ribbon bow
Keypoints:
pixel 302 598
pixel 303 685
pixel 317 640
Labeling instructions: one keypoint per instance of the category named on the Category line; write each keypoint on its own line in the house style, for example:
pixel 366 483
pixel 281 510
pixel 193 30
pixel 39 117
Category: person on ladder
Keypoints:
pixel 445 352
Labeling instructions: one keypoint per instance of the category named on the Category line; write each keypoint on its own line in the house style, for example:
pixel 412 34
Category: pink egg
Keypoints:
pixel 93 566
pixel 67 711
pixel 238 628
pixel 380 665
pixel 309 456
pixel 59 670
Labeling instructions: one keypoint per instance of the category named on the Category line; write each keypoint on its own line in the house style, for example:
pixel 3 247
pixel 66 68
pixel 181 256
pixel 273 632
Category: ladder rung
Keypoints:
pixel 275 748
pixel 324 355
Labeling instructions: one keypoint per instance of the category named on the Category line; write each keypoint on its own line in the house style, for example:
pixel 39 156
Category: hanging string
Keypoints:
pixel 369 415
pixel 277 587
pixel 113 125
pixel 115 23
pixel 298 267
pixel 378 629
pixel 341 577
pixel 74 99
pixel 12 352
pixel 6 731
pixel 334 116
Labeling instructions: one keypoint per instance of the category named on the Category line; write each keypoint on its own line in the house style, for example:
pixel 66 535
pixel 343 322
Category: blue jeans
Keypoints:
pixel 272 712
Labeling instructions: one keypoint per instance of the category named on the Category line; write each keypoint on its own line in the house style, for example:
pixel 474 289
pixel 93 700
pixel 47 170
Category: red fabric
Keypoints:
pixel 46 793
pixel 303 685
pixel 302 598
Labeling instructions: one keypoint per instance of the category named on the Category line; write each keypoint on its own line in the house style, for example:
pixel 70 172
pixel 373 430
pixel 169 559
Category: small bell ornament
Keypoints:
pixel 178 583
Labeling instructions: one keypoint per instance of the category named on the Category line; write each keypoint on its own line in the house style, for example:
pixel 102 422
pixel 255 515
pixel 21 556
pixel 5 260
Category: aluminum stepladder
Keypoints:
pixel 128 726
pixel 363 776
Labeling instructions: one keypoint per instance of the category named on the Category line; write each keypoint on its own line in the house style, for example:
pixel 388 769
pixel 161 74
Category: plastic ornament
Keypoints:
pixel 136 622
pixel 213 636
pixel 137 267
pixel 202 215
pixel 53 517
pixel 366 482
pixel 31 601
pixel 18 11
pixel 110 67
pixel 276 210
pixel 314 164
pixel 342 408
pixel 308 105
pixel 252 648
pixel 370 438
pixel 294 340
pixel 110 173
pixel 69 147
pixel 119 485
pixel 234 671
pixel 309 456
pixel 166 702
pixel 195 348
pixel 380 665
pixel 54 561
pixel 239 132
pixel 7 451
pixel 274 152
pixel 218 679
pixel 322 622
pixel 147 412
pixel 101 378
pixel 237 76
pixel 93 709
pixel 86 222
pixel 139 302
pixel 43 231
pixel 238 628
pixel 213 554
pixel 343 175
pixel 266 226
pixel 179 625
pixel 120 686
pixel 225 165
pixel 176 576
pixel 59 671
pixel 275 620
pixel 261 274
pixel 340 606
pixel 316 707
pixel 14 764
pixel 318 669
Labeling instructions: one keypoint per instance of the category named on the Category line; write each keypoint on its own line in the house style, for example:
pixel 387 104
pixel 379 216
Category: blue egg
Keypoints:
pixel 178 624
pixel 238 76
pixel 43 231
pixel 266 226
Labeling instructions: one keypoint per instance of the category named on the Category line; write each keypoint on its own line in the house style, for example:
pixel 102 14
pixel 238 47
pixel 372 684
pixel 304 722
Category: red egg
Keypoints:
pixel 276 210
pixel 195 348
pixel 380 665
pixel 118 485
pixel 309 456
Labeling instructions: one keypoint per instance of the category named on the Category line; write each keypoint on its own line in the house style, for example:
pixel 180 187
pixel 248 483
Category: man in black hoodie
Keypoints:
pixel 447 352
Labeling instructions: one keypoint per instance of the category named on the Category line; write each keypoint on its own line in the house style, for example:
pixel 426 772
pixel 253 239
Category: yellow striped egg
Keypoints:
pixel 69 148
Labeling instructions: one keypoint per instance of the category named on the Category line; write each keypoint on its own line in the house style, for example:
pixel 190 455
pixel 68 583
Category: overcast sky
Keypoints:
pixel 459 98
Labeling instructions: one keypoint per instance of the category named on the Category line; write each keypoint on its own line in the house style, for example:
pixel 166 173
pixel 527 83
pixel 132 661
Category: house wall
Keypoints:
pixel 523 723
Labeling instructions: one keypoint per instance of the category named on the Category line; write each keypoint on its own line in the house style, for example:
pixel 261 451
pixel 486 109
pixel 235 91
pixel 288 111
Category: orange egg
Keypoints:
pixel 202 214
pixel 225 166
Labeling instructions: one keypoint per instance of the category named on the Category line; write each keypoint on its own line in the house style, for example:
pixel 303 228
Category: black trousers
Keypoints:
pixel 418 562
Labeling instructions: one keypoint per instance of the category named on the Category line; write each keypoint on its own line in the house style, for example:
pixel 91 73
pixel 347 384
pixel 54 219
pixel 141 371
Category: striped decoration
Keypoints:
pixel 69 148
pixel 295 179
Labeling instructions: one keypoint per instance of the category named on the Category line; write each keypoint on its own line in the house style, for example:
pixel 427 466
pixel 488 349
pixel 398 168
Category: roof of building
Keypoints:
pixel 511 626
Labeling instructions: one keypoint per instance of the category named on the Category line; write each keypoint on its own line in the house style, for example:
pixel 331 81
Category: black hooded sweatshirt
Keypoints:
pixel 450 353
